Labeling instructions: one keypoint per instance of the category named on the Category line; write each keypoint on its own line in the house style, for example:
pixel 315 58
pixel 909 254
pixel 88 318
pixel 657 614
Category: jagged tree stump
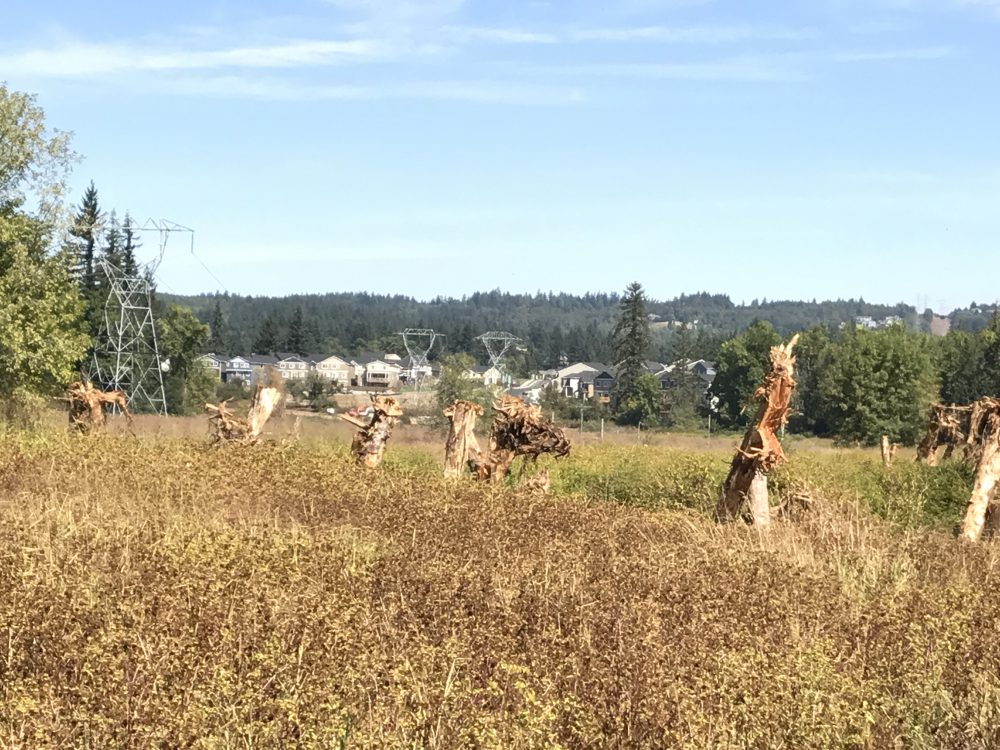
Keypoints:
pixel 462 452
pixel 227 428
pixel 369 442
pixel 946 426
pixel 519 429
pixel 888 451
pixel 760 450
pixel 984 428
pixel 86 406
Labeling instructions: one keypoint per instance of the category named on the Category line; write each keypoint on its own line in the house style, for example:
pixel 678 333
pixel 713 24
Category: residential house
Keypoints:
pixel 585 379
pixel 237 368
pixel 412 373
pixel 531 390
pixel 292 366
pixel 333 368
pixel 216 363
pixel 672 375
pixel 377 370
pixel 259 363
pixel 486 374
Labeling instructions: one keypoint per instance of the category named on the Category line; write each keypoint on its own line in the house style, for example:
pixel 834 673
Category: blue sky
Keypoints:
pixel 817 148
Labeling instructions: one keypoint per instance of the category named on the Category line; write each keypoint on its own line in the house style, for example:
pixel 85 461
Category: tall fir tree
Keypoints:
pixel 631 343
pixel 266 341
pixel 295 341
pixel 217 326
pixel 83 250
pixel 130 243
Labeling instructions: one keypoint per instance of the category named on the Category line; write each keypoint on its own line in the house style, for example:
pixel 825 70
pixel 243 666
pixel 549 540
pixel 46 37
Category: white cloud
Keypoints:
pixel 691 34
pixel 746 69
pixel 905 53
pixel 466 34
pixel 281 89
pixel 86 59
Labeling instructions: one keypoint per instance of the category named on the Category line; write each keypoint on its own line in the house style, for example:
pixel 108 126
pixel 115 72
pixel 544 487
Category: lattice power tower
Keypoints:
pixel 497 344
pixel 418 343
pixel 127 353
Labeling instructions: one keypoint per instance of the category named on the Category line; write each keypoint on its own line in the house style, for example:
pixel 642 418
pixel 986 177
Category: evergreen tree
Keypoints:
pixel 295 341
pixel 217 326
pixel 631 341
pixel 130 243
pixel 267 337
pixel 84 248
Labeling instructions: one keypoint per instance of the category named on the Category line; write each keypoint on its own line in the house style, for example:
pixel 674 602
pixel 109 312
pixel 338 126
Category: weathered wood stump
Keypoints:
pixel 519 429
pixel 227 428
pixel 462 452
pixel 369 442
pixel 984 429
pixel 86 406
pixel 947 425
pixel 760 450
pixel 888 451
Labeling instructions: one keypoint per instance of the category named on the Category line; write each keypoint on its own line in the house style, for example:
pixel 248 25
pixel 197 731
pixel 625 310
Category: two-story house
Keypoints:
pixel 215 363
pixel 334 368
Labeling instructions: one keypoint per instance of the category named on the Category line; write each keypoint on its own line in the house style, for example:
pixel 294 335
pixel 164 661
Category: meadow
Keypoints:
pixel 155 592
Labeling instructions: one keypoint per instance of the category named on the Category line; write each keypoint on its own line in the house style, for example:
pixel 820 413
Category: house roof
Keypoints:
pixel 482 369
pixel 262 359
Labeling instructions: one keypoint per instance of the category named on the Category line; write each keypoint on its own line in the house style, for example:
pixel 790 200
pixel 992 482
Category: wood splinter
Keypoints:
pixel 948 426
pixel 760 450
pixel 888 451
pixel 369 442
pixel 227 428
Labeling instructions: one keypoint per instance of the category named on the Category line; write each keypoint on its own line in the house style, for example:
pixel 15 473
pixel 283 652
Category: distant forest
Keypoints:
pixel 555 327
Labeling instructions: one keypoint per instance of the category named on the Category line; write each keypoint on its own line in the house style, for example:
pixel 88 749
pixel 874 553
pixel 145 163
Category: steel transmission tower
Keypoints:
pixel 418 343
pixel 497 344
pixel 127 354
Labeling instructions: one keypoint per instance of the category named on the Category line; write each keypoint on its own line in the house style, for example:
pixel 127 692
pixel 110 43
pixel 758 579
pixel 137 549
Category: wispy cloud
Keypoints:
pixel 80 59
pixel 743 69
pixel 691 34
pixel 281 89
pixel 466 34
pixel 905 53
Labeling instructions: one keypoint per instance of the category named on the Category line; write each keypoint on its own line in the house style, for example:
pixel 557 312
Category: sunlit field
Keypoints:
pixel 159 593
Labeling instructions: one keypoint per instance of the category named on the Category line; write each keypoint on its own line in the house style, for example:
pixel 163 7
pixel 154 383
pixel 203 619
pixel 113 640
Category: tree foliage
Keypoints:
pixel 742 363
pixel 181 337
pixel 454 382
pixel 876 383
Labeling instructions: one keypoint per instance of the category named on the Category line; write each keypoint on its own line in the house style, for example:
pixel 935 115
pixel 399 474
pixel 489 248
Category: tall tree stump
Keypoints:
pixel 760 450
pixel 368 446
pixel 86 406
pixel 888 451
pixel 462 452
pixel 226 428
pixel 982 509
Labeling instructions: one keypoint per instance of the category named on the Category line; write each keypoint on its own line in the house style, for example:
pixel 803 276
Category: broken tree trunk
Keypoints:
pixel 86 406
pixel 986 427
pixel 760 450
pixel 946 426
pixel 369 442
pixel 462 452
pixel 888 451
pixel 519 429
pixel 226 427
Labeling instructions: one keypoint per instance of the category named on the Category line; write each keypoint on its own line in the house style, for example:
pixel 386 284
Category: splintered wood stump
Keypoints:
pixel 982 508
pixel 946 426
pixel 227 428
pixel 86 406
pixel 760 450
pixel 369 442
pixel 888 451
pixel 462 452
pixel 519 429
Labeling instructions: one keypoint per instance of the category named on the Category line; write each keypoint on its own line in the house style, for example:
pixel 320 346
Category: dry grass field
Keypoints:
pixel 158 593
